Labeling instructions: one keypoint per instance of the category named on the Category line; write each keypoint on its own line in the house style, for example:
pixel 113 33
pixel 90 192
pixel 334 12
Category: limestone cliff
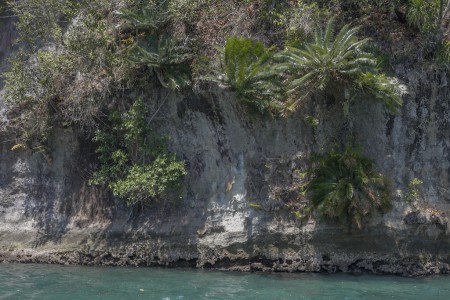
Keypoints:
pixel 48 212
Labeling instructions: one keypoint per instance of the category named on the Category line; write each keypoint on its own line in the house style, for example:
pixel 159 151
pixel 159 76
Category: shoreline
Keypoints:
pixel 361 266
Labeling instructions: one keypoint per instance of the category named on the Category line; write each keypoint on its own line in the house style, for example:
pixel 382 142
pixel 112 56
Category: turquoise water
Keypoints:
pixel 74 282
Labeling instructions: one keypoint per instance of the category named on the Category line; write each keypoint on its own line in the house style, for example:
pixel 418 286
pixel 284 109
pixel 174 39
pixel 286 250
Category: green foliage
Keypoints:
pixel 133 167
pixel 165 60
pixel 425 14
pixel 40 21
pixel 345 187
pixel 338 65
pixel 160 53
pixel 326 60
pixel 303 18
pixel 383 88
pixel 414 190
pixel 65 70
pixel 150 17
pixel 248 70
pixel 150 181
pixel 75 56
pixel 30 88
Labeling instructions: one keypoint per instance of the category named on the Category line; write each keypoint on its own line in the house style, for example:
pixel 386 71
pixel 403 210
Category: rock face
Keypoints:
pixel 232 212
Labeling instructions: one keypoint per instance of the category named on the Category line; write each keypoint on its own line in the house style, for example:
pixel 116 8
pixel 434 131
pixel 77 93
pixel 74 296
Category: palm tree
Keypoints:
pixel 345 187
pixel 336 63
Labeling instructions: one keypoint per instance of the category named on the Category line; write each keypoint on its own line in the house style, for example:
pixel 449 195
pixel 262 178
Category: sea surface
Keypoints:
pixel 30 281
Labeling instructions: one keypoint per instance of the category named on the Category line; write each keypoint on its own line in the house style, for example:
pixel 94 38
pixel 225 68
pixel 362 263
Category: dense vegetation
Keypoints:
pixel 78 62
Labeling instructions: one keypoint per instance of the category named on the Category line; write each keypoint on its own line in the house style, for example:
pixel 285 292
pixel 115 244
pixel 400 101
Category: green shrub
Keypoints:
pixel 32 93
pixel 247 68
pixel 135 164
pixel 345 187
pixel 150 181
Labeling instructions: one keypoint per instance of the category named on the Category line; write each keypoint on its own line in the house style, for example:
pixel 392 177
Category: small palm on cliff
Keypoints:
pixel 345 187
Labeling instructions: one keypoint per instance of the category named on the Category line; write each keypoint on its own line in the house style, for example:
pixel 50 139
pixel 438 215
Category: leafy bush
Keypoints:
pixel 345 187
pixel 247 68
pixel 133 167
pixel 150 181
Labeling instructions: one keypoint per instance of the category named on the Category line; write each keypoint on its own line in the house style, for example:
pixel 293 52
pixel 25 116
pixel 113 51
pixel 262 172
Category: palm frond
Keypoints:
pixel 345 187
pixel 336 61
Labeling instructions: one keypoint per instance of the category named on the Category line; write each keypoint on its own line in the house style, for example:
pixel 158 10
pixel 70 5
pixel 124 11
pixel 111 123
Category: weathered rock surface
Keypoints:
pixel 240 172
